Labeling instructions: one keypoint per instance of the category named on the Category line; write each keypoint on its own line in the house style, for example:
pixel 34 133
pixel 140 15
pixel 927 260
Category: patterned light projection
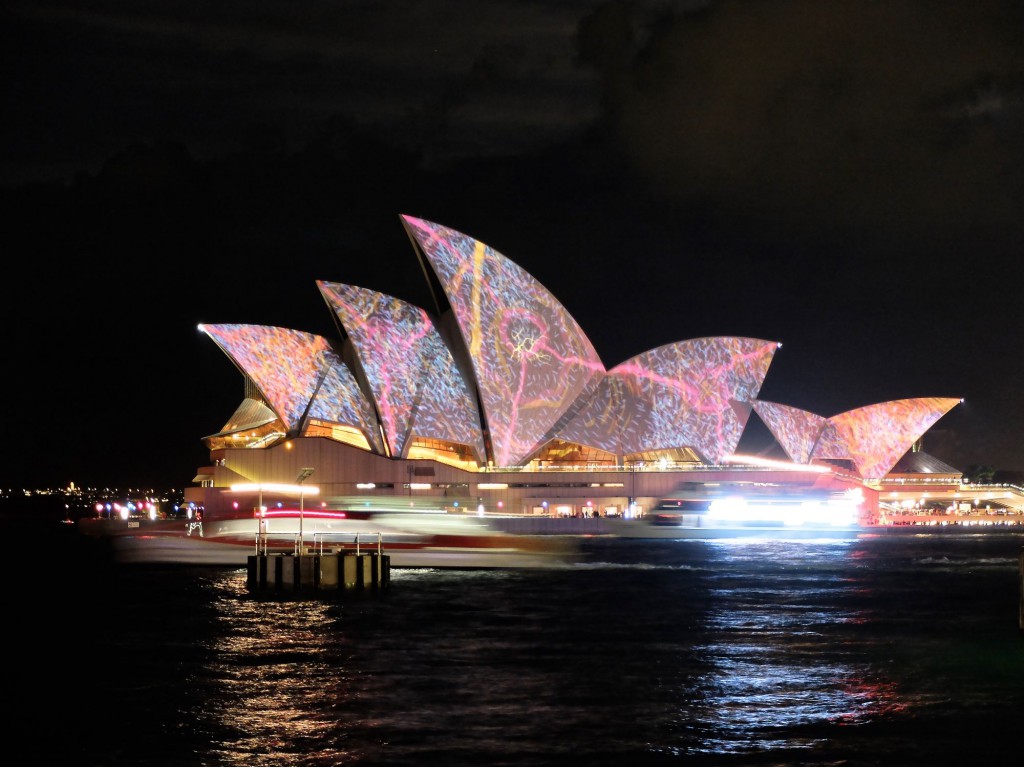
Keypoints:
pixel 875 437
pixel 414 379
pixel 688 394
pixel 284 364
pixel 340 401
pixel 530 358
pixel 539 377
pixel 796 430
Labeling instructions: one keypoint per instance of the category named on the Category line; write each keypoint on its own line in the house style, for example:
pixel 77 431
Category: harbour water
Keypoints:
pixel 894 651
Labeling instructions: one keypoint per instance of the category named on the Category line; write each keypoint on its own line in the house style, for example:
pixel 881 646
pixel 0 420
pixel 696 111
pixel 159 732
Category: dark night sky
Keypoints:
pixel 846 178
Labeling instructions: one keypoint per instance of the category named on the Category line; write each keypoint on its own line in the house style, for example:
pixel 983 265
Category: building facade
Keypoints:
pixel 496 401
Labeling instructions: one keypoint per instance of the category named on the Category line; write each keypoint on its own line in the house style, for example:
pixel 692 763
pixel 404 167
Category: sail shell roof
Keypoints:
pixel 505 370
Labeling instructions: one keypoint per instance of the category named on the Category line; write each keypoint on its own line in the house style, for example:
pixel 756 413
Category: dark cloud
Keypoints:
pixel 448 79
pixel 886 122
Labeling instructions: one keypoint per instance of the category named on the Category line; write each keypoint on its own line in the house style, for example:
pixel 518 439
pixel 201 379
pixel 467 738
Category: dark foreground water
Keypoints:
pixel 894 651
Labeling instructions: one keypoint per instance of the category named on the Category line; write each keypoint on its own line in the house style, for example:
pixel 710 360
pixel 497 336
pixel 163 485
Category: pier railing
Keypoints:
pixel 319 538
pixel 341 538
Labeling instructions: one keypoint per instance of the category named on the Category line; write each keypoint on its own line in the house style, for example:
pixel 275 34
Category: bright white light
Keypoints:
pixel 753 460
pixel 275 487
pixel 738 510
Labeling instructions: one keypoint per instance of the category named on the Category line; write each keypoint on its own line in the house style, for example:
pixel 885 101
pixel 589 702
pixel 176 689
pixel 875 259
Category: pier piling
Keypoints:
pixel 346 571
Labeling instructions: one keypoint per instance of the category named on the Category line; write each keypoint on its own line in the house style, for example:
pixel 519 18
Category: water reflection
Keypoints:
pixel 785 667
pixel 755 653
pixel 275 680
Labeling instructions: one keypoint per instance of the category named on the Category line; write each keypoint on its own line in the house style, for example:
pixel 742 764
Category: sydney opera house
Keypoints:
pixel 496 401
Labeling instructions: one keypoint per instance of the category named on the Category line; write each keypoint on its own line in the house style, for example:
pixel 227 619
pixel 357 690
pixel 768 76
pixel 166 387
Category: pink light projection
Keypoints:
pixel 415 382
pixel 340 401
pixel 538 377
pixel 876 436
pixel 796 430
pixel 530 358
pixel 605 418
pixel 284 364
pixel 692 393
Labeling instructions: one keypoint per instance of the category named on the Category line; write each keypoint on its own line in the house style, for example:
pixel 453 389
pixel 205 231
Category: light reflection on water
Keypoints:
pixel 791 653
pixel 772 683
pixel 274 679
